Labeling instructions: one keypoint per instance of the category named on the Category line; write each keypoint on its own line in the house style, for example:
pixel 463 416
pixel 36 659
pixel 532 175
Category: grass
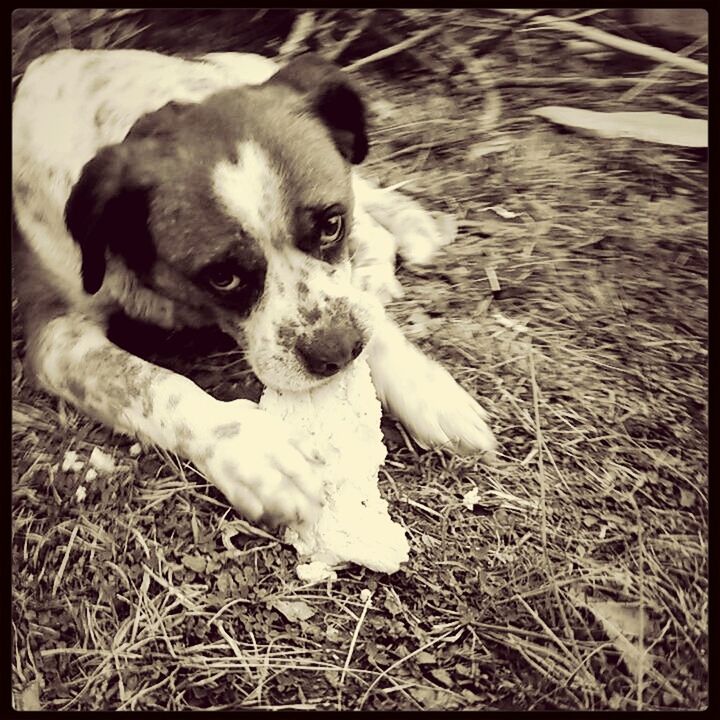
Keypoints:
pixel 571 575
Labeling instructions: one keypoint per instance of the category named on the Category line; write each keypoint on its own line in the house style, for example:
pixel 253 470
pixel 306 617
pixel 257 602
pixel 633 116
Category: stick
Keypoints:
pixel 353 640
pixel 301 29
pixel 577 80
pixel 393 49
pixel 657 72
pixel 629 46
pixel 683 104
pixel 351 35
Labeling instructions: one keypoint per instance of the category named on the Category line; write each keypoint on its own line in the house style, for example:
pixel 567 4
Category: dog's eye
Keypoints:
pixel 332 229
pixel 223 279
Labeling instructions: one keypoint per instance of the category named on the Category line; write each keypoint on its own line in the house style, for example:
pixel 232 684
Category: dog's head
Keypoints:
pixel 238 209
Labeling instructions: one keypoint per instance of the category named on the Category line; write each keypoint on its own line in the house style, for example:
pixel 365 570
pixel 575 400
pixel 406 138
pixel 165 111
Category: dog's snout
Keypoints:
pixel 328 351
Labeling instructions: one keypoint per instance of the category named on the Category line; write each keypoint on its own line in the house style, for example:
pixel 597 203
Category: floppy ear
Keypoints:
pixel 108 209
pixel 333 99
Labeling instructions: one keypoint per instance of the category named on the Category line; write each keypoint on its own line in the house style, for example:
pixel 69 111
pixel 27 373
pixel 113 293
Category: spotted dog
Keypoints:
pixel 217 191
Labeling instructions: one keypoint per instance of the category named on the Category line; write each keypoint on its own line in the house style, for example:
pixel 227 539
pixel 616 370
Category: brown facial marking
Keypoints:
pixel 302 289
pixel 227 430
pixel 310 315
pixel 287 335
pixel 173 401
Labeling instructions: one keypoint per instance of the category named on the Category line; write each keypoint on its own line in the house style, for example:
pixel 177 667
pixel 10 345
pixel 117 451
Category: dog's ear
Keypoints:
pixel 160 124
pixel 108 208
pixel 333 98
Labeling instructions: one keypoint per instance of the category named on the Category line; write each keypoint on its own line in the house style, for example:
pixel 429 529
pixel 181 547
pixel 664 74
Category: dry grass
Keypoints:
pixel 576 310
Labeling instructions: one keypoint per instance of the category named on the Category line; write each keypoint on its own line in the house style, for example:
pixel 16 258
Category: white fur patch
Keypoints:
pixel 251 190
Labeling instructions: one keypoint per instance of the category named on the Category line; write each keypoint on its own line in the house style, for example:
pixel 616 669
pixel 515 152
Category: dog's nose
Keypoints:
pixel 328 351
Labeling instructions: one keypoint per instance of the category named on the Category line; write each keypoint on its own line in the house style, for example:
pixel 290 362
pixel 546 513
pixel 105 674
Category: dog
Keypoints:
pixel 217 191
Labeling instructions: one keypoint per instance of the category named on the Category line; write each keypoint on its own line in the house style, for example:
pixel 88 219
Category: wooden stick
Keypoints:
pixel 301 29
pixel 575 80
pixel 393 49
pixel 683 104
pixel 659 70
pixel 630 46
pixel 351 35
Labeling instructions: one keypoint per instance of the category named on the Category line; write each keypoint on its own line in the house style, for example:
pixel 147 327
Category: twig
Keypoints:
pixel 446 638
pixel 351 649
pixel 576 80
pixel 63 564
pixel 684 105
pixel 657 72
pixel 393 49
pixel 302 28
pixel 629 46
pixel 351 35
pixel 542 445
pixel 642 654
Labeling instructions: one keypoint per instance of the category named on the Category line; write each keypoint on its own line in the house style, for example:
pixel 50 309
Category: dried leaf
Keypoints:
pixel 293 610
pixel 29 698
pixel 487 147
pixel 624 616
pixel 392 605
pixel 687 498
pixel 442 676
pixel 620 621
pixel 646 126
pixel 196 563
pixel 425 658
pixel 502 212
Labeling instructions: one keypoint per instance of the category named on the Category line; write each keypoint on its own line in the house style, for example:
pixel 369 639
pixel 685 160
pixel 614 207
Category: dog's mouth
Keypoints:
pixel 291 357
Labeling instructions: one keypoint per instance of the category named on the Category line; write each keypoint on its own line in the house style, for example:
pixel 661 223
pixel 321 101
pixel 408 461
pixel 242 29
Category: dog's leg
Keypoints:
pixel 423 395
pixel 246 453
pixel 417 234
pixel 373 250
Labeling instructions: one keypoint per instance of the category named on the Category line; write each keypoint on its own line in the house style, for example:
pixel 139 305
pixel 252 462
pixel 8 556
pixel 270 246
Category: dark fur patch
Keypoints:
pixel 108 208
pixel 222 432
pixel 287 335
pixel 77 389
pixel 310 315
pixel 334 99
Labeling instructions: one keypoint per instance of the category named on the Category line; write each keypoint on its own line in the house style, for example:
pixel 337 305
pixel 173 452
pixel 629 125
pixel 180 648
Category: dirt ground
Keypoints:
pixel 571 575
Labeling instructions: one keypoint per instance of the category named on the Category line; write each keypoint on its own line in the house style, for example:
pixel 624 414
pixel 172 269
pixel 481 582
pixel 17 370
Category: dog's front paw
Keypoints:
pixel 437 411
pixel 263 469
pixel 378 279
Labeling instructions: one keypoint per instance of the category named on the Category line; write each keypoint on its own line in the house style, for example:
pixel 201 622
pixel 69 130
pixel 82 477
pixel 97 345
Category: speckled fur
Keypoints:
pixel 73 111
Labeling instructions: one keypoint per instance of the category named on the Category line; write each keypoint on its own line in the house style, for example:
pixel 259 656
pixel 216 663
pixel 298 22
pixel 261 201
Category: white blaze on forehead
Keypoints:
pixel 251 191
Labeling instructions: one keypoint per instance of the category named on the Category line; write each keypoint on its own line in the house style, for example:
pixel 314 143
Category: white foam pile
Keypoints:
pixel 343 416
